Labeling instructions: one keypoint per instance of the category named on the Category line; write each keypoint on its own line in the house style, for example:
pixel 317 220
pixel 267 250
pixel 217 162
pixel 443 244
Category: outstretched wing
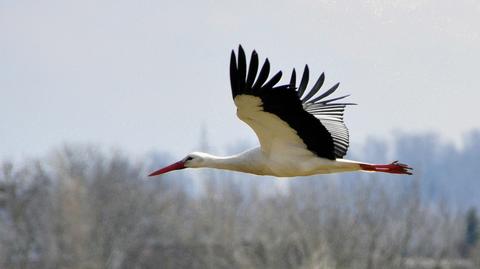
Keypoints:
pixel 326 110
pixel 282 121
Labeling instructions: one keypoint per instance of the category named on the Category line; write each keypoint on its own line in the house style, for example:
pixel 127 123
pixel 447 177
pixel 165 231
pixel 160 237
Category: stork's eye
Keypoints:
pixel 189 158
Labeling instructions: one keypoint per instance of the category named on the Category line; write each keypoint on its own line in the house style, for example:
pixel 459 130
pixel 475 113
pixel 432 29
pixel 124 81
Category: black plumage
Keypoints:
pixel 318 122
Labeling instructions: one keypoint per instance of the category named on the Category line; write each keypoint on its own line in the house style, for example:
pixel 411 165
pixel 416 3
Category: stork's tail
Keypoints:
pixel 393 168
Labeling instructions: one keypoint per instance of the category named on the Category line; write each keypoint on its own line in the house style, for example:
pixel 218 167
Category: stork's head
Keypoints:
pixel 192 160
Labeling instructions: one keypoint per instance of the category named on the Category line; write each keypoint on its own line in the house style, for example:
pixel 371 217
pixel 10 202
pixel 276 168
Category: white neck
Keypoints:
pixel 244 162
pixel 235 162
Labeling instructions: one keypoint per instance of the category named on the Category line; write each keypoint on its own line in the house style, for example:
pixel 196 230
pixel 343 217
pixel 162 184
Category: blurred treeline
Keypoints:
pixel 88 208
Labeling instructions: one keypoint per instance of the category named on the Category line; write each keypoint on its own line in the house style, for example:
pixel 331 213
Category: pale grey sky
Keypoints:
pixel 146 75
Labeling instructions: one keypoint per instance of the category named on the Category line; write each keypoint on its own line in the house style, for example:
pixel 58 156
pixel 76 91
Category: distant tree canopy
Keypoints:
pixel 471 231
pixel 84 207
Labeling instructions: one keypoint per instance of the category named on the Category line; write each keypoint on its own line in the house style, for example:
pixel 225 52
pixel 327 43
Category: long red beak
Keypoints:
pixel 176 166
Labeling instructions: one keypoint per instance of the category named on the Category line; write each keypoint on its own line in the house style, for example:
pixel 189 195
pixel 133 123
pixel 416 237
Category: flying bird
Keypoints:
pixel 301 131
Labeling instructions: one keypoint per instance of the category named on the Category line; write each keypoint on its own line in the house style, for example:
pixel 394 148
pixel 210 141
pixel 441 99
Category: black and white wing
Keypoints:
pixel 286 119
pixel 326 110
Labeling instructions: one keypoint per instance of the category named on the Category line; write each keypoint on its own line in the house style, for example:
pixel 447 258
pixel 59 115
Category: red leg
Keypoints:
pixel 393 168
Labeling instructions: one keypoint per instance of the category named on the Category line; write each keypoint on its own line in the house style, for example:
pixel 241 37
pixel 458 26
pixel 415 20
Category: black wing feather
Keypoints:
pixel 242 66
pixel 315 88
pixel 263 76
pixel 233 75
pixel 303 82
pixel 325 94
pixel 252 70
pixel 293 79
pixel 248 83
pixel 274 80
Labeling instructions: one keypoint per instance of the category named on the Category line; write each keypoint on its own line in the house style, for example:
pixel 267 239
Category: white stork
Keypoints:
pixel 300 134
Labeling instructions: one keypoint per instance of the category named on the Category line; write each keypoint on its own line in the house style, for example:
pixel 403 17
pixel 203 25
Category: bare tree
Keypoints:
pixel 85 207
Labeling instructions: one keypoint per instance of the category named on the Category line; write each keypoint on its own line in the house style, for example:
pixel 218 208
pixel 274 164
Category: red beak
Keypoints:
pixel 176 166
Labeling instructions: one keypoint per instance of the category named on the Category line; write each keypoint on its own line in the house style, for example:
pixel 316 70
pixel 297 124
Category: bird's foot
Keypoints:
pixel 392 168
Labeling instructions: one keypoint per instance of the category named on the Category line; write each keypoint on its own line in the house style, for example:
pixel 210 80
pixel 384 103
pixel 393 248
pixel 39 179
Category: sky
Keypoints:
pixel 148 76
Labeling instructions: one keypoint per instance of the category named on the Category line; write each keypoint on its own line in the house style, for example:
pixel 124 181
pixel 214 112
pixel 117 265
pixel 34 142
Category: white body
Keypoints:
pixel 281 153
pixel 255 161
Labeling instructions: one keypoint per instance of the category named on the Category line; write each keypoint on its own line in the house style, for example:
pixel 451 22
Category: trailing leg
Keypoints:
pixel 393 168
